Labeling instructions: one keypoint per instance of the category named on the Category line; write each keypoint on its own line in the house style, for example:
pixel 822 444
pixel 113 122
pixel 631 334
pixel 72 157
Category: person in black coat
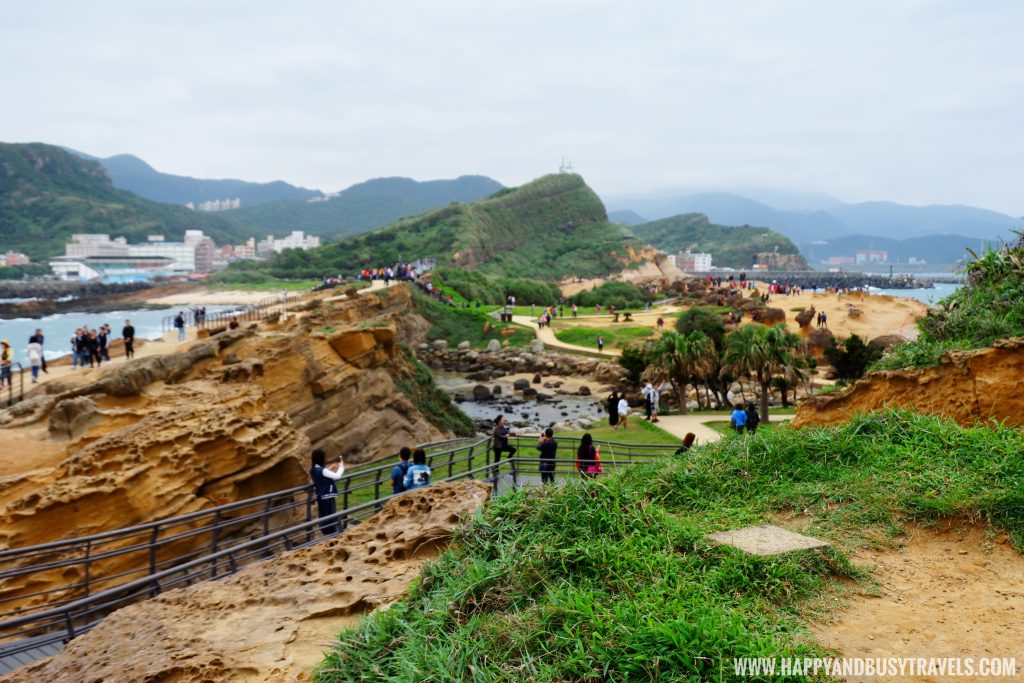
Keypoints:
pixel 613 409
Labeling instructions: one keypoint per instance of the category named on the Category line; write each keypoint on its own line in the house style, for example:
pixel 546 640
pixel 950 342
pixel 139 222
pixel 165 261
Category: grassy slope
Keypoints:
pixel 456 325
pixel 545 229
pixel 613 580
pixel 729 246
pixel 47 194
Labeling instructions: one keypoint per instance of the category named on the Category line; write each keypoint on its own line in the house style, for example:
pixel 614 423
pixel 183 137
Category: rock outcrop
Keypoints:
pixel 231 416
pixel 271 621
pixel 966 386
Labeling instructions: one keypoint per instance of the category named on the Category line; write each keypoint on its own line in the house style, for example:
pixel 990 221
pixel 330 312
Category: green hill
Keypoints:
pixel 729 246
pixel 365 206
pixel 549 228
pixel 47 194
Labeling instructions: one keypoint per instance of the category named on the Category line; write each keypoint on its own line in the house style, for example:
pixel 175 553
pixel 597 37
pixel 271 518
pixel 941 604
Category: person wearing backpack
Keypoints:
pixel 399 471
pixel 418 475
pixel 324 478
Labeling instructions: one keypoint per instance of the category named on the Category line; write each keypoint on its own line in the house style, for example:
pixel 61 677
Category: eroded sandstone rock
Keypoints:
pixel 271 621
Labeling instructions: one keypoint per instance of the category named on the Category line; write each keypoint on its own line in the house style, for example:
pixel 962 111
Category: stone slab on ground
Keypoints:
pixel 766 539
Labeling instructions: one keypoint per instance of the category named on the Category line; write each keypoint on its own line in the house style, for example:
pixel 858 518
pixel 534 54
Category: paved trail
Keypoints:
pixel 679 425
pixel 547 335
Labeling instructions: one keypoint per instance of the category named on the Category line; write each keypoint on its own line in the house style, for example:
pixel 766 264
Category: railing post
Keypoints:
pixel 70 621
pixel 515 474
pixel 88 562
pixel 344 501
pixel 451 461
pixel 215 540
pixel 376 491
pixel 309 512
pixel 266 524
pixel 152 548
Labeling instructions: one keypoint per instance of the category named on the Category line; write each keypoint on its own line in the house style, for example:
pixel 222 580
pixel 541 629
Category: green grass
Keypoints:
pixel 431 401
pixel 614 337
pixel 613 580
pixel 639 431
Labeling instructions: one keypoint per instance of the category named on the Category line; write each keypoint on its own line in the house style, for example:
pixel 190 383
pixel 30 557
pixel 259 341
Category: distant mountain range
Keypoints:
pixel 824 219
pixel 48 194
pixel 131 173
pixel 364 206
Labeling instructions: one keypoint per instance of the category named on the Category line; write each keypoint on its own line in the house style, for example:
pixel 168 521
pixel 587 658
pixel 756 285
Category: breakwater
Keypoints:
pixel 823 280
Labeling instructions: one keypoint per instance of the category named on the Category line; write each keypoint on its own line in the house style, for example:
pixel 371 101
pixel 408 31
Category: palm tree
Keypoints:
pixel 680 357
pixel 765 353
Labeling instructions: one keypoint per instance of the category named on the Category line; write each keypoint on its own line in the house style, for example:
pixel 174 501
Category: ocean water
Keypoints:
pixel 58 328
pixel 929 296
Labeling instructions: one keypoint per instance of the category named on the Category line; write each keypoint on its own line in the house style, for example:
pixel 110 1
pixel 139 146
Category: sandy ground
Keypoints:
pixel 950 592
pixel 867 315
pixel 880 314
pixel 205 297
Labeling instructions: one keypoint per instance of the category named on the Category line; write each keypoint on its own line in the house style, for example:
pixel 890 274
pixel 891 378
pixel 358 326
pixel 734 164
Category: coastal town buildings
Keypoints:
pixel 691 262
pixel 15 258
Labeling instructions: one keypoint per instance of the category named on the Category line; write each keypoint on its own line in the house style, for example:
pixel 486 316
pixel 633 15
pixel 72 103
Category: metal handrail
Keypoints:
pixel 64 617
pixel 21 383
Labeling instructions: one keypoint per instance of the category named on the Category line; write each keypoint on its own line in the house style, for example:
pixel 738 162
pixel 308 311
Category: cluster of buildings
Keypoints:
pixel 215 205
pixel 691 262
pixel 862 257
pixel 98 257
pixel 14 258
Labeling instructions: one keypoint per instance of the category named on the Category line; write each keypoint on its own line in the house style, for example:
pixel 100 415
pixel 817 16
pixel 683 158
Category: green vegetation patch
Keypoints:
pixel 614 337
pixel 612 579
pixel 432 401
pixel 473 286
pixel 621 295
pixel 456 325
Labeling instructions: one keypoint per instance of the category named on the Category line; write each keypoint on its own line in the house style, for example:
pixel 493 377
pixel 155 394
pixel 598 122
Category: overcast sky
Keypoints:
pixel 909 100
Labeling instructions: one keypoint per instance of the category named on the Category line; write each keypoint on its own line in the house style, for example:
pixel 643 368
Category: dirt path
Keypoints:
pixel 547 335
pixel 950 592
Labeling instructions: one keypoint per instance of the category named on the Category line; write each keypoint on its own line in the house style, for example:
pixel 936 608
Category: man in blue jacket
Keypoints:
pixel 399 470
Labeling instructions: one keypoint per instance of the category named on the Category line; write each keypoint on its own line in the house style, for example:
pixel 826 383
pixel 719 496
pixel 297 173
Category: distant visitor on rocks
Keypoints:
pixel 613 409
pixel 418 475
pixel 323 477
pixel 179 324
pixel 128 334
pixel 399 471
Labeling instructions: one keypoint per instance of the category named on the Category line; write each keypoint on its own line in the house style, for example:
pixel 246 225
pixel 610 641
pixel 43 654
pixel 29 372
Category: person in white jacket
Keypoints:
pixel 623 413
pixel 35 359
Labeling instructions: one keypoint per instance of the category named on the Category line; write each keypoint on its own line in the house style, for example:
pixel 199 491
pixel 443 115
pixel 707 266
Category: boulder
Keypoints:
pixel 804 317
pixel 439 344
pixel 584 390
pixel 481 393
pixel 886 341
pixel 529 392
pixel 71 417
pixel 537 379
pixel 463 346
pixel 536 346
pixel 820 339
pixel 494 346
pixel 521 384
pixel 769 316
pixel 496 390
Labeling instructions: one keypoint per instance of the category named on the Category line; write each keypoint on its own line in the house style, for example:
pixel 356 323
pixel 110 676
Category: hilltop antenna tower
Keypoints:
pixel 566 166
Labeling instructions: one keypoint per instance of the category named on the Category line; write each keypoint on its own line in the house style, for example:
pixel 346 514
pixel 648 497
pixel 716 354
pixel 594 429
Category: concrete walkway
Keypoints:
pixel 679 425
pixel 547 335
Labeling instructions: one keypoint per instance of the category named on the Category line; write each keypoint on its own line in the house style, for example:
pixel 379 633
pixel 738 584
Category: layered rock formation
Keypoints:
pixel 273 620
pixel 232 416
pixel 966 386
